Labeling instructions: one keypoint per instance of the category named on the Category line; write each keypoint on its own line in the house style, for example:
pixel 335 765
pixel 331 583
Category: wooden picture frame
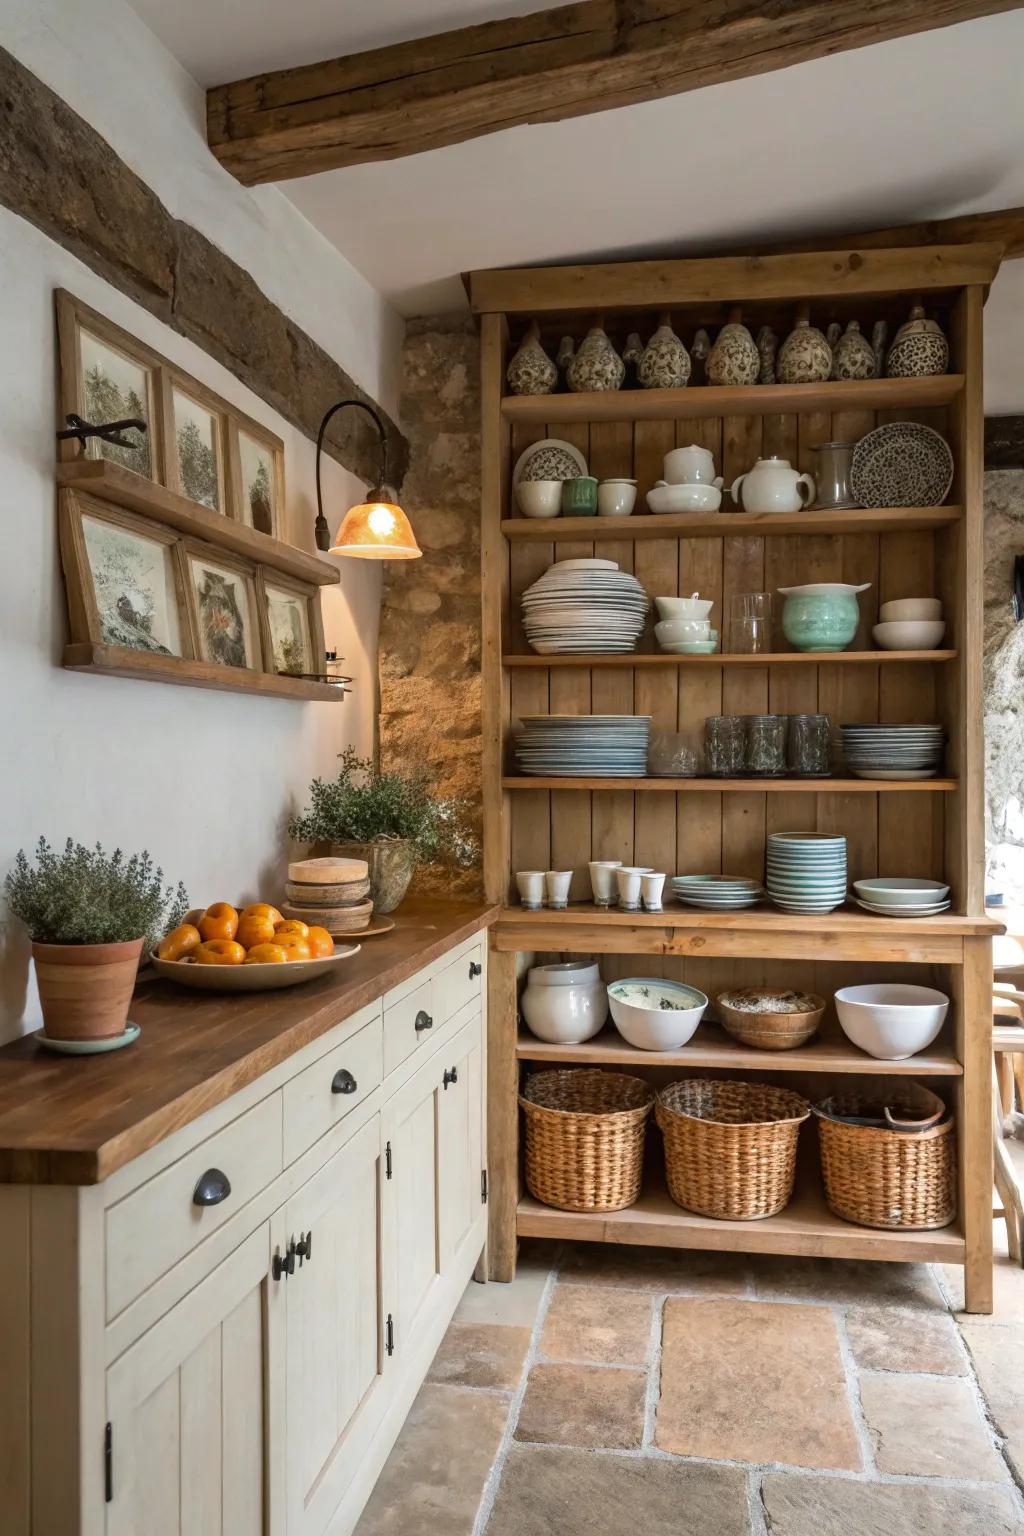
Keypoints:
pixel 272 585
pixel 80 330
pixel 248 445
pixel 196 439
pixel 213 615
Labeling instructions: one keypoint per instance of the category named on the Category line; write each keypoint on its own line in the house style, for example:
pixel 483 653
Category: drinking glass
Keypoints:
pixel 750 623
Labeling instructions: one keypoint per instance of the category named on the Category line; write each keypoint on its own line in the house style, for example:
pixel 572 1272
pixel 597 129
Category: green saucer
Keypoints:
pixel 89 1047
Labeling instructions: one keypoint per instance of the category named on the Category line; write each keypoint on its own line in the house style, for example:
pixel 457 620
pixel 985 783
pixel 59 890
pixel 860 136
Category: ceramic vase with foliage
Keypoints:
pixel 392 820
pixel 89 914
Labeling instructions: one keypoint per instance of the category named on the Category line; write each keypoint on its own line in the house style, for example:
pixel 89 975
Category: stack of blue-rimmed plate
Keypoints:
pixel 806 871
pixel 893 751
pixel 584 746
pixel 584 605
pixel 716 893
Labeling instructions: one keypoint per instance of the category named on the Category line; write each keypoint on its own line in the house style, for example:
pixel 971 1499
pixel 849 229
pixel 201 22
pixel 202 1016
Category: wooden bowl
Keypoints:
pixel 338 921
pixel 769 1029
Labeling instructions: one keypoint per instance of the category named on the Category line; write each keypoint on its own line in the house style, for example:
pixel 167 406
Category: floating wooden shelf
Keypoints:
pixel 718 525
pixel 832 786
pixel 121 661
pixel 734 400
pixel 724 659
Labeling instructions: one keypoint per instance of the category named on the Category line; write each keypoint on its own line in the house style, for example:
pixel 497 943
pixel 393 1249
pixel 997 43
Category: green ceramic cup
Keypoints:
pixel 579 497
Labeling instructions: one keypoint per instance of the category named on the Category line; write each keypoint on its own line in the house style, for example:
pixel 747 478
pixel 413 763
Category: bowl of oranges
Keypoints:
pixel 222 948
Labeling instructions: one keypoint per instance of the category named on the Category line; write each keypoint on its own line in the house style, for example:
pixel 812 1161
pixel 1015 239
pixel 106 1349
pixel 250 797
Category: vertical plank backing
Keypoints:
pixel 699 816
pixel 744 689
pixel 530 815
pixel 656 693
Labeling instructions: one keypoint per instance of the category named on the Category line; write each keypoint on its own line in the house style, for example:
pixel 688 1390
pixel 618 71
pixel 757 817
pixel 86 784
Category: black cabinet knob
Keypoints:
pixel 212 1188
pixel 343 1082
pixel 450 1077
pixel 475 969
pixel 304 1247
pixel 285 1265
pixel 423 1021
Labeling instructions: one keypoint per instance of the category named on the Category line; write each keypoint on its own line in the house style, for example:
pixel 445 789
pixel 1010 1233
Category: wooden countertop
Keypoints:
pixel 74 1120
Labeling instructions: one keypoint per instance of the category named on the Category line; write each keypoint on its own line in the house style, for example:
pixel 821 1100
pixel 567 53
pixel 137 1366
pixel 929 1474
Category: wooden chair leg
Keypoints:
pixel 1005 1090
pixel 1006 1182
pixel 1017 1063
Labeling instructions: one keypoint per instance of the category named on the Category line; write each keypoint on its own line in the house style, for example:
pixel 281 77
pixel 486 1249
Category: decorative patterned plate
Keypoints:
pixel 551 459
pixel 902 464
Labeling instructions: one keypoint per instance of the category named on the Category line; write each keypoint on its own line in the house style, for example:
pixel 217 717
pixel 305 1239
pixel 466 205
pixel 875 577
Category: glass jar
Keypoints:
pixel 809 746
pixel 673 755
pixel 724 745
pixel 765 751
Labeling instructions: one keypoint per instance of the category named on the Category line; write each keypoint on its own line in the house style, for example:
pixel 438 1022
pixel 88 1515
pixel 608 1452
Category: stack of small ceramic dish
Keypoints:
pixel 584 746
pixel 690 483
pixel 893 751
pixel 806 871
pixel 584 606
pixel 902 897
pixel 910 624
pixel 716 893
pixel 685 628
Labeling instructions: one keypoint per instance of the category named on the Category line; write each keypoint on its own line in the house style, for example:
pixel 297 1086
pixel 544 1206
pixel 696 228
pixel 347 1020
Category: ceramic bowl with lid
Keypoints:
pixel 564 1004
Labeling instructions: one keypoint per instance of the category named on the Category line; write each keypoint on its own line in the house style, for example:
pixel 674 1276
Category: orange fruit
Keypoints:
pixel 219 952
pixel 263 909
pixel 293 925
pixel 320 942
pixel 254 930
pixel 294 945
pixel 180 940
pixel 266 954
pixel 219 921
pixel 193 917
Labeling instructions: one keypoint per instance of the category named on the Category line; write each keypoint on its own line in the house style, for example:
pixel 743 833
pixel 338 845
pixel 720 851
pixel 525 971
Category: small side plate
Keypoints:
pixel 89 1047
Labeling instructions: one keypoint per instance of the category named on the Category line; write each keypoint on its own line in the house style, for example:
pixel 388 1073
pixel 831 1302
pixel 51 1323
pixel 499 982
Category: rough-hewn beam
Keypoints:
pixel 565 62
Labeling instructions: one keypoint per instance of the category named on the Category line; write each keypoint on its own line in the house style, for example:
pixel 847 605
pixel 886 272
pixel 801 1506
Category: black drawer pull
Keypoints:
pixel 304 1247
pixel 212 1188
pixel 423 1021
pixel 343 1081
pixel 284 1266
pixel 475 969
pixel 450 1077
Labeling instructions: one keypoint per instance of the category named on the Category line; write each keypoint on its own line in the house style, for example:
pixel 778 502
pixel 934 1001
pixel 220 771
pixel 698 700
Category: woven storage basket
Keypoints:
pixel 585 1138
pixel 730 1148
pixel 882 1178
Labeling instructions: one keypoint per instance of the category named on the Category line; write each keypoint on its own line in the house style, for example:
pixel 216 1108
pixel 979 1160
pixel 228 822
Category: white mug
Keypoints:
pixel 651 887
pixel 556 884
pixel 602 880
pixel 628 881
pixel 530 885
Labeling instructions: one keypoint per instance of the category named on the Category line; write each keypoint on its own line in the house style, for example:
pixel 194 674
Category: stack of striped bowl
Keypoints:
pixel 331 893
pixel 806 871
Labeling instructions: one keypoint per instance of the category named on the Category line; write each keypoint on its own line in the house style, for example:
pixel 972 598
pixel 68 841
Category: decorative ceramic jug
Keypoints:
pixel 833 477
pixel 767 346
pixel 832 334
pixel 631 355
pixel 734 358
pixel 805 357
pixel 879 332
pixel 564 356
pixel 699 356
pixel 530 370
pixel 919 348
pixel 773 485
pixel 597 365
pixel 665 363
pixel 853 356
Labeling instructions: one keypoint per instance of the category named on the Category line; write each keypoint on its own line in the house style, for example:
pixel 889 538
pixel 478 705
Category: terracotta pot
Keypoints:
pixel 85 989
pixel 391 868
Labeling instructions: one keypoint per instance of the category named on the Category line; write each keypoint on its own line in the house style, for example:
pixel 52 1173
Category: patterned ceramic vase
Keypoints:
pixel 631 355
pixel 530 370
pixel 597 365
pixel 767 346
pixel 853 356
pixel 919 348
pixel 805 357
pixel 665 363
pixel 564 356
pixel 734 358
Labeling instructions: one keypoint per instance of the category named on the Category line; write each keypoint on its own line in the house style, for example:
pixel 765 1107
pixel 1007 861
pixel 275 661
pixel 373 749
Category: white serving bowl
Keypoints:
pixel 684 498
pixel 900 608
pixel 899 892
pixel 642 1021
pixel 891 1020
pixel 909 634
pixel 539 498
pixel 564 1004
pixel 684 607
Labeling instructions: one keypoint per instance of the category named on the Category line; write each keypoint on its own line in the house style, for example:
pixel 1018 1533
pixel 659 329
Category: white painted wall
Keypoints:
pixel 206 781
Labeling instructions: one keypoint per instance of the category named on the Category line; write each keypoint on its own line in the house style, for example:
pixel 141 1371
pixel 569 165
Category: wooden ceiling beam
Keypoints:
pixel 549 65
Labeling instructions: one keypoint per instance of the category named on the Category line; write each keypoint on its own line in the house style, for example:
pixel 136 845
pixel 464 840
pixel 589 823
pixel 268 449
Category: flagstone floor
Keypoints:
pixel 609 1391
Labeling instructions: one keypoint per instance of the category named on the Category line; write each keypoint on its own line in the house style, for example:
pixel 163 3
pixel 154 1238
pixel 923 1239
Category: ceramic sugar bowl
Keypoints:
pixel 773 485
pixel 691 465
pixel 734 358
pixel 822 616
pixel 530 370
pixel 597 365
pixel 805 357
pixel 919 348
pixel 665 362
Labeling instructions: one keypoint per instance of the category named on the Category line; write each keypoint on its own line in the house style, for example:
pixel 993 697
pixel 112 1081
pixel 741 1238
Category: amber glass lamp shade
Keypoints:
pixel 376 529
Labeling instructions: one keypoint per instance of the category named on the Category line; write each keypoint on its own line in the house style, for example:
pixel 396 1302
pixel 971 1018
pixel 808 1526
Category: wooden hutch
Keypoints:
pixel 931 828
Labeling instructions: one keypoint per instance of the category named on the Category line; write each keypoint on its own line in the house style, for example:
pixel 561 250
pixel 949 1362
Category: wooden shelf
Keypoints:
pixel 712 1047
pixel 121 661
pixel 717 525
pixel 734 400
pixel 726 659
pixel 831 786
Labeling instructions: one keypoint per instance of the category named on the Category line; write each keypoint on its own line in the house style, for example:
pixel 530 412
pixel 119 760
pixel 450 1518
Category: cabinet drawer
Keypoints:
pixel 458 983
pixel 325 1092
pixel 155 1226
pixel 409 1024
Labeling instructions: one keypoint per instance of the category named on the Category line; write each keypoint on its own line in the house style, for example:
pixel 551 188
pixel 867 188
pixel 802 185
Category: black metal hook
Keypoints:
pixel 108 431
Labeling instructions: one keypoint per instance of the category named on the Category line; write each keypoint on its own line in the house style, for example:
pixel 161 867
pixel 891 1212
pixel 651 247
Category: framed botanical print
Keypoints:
pixel 257 477
pixel 195 429
pixel 293 641
pixel 107 376
pixel 222 604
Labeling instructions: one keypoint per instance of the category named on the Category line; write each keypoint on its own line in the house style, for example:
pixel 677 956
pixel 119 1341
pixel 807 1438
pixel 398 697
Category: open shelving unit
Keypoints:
pixel 930 828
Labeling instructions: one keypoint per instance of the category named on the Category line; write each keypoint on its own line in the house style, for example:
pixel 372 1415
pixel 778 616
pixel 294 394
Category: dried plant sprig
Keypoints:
pixel 87 896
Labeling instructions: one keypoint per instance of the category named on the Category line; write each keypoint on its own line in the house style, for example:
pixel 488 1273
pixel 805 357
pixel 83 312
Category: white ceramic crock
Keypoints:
pixel 564 1004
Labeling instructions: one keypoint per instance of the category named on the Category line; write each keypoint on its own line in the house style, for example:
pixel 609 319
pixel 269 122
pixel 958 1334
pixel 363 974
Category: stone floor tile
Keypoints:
pixel 656 1269
pixel 891 1339
pixel 1007 1292
pixel 997 1354
pixel 925 1426
pixel 600 1325
pixel 846 1281
pixel 481 1355
pixel 837 1506
pixel 749 1381
pixel 583 1405
pixel 515 1302
pixel 580 1493
pixel 433 1481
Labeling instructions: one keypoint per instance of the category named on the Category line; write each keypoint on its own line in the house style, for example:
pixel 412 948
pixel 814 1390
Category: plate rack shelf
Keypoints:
pixel 928 828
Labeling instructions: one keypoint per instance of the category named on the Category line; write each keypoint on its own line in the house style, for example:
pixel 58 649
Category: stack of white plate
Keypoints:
pixel 893 751
pixel 716 893
pixel 584 605
pixel 899 896
pixel 806 871
pixel 584 746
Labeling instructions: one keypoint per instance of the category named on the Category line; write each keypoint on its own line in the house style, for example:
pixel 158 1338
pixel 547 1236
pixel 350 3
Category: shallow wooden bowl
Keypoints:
pixel 769 1031
pixel 337 920
pixel 249 978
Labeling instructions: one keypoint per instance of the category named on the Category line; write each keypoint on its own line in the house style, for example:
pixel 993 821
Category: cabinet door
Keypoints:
pixel 459 1145
pixel 187 1408
pixel 336 1348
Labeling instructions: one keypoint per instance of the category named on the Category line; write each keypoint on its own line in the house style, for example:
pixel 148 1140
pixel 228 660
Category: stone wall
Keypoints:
pixel 1004 687
pixel 430 619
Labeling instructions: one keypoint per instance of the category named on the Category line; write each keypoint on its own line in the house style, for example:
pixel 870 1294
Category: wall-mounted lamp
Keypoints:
pixel 377 528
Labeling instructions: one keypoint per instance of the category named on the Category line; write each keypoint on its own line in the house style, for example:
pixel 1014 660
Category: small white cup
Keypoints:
pixel 628 881
pixel 530 885
pixel 651 887
pixel 602 881
pixel 556 884
pixel 616 498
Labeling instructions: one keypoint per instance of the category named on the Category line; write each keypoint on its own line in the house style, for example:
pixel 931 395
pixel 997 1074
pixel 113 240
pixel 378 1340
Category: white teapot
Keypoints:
pixel 692 465
pixel 773 485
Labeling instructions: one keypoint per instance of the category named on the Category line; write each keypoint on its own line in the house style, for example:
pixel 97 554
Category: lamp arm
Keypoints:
pixel 322 531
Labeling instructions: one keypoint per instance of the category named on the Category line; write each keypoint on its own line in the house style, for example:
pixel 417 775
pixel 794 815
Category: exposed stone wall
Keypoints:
pixel 430 619
pixel 1004 686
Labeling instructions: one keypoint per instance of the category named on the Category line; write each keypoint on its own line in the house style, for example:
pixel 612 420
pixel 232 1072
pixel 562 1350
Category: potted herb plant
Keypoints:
pixel 88 914
pixel 392 820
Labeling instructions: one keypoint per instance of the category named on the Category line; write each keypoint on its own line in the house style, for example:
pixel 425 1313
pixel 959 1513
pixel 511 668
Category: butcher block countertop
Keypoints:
pixel 74 1120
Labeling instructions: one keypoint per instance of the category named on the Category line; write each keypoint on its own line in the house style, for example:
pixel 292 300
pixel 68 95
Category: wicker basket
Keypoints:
pixel 730 1147
pixel 585 1138
pixel 883 1178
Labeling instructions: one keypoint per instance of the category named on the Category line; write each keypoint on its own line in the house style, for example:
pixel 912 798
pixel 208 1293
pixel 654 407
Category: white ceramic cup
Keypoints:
pixel 616 498
pixel 539 498
pixel 602 881
pixel 684 607
pixel 556 886
pixel 651 888
pixel 628 881
pixel 530 885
